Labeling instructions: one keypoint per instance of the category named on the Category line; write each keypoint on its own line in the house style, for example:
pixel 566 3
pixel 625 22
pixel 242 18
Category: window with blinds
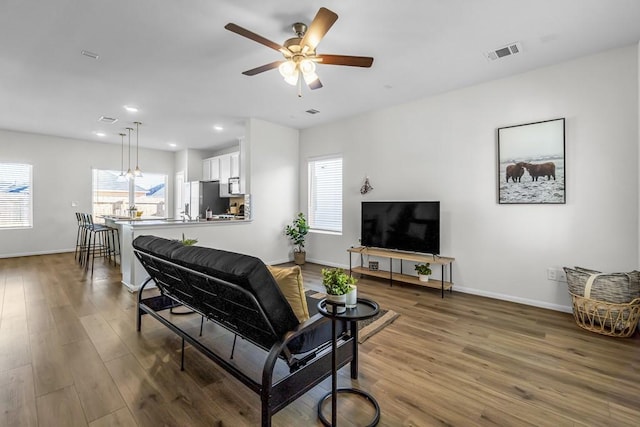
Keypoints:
pixel 16 195
pixel 325 194
pixel 113 194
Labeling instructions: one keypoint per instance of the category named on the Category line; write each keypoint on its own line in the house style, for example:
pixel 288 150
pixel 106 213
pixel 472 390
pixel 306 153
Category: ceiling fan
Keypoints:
pixel 300 56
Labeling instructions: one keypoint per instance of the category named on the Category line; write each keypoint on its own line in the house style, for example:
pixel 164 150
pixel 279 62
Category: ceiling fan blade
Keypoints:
pixel 262 68
pixel 316 84
pixel 253 36
pixel 352 61
pixel 319 26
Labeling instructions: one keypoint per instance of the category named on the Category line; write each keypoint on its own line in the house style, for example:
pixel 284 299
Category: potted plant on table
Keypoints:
pixel 337 284
pixel 297 232
pixel 424 271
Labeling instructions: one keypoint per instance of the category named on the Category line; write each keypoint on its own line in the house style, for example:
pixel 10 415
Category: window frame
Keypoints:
pixel 29 222
pixel 131 194
pixel 312 201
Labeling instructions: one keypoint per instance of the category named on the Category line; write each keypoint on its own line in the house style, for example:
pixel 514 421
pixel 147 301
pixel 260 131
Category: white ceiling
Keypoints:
pixel 176 62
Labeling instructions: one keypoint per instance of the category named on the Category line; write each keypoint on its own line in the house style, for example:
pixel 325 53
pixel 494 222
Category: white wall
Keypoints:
pixel 272 152
pixel 62 174
pixel 444 148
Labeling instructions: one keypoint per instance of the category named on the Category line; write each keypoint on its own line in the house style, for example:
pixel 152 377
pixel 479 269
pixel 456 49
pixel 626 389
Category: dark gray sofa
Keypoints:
pixel 239 293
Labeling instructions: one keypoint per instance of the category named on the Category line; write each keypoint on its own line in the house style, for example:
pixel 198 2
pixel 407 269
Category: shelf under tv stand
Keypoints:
pixel 400 277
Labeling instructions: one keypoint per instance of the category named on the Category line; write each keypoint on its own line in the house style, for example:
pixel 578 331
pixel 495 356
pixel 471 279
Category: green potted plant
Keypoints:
pixel 188 242
pixel 424 271
pixel 337 284
pixel 297 232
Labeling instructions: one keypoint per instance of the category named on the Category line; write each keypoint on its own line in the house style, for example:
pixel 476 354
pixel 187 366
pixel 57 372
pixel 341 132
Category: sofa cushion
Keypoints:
pixel 289 279
pixel 162 248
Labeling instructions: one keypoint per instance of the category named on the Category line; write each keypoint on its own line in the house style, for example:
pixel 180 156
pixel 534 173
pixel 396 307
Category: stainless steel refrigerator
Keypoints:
pixel 203 195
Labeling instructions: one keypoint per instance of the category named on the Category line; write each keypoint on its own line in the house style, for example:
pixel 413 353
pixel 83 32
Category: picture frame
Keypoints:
pixel 531 163
pixel 373 265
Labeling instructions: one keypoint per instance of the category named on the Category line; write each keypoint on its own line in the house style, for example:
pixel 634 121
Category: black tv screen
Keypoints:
pixel 405 226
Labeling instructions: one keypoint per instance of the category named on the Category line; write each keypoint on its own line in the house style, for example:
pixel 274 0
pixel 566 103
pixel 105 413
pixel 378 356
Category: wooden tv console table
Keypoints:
pixel 400 277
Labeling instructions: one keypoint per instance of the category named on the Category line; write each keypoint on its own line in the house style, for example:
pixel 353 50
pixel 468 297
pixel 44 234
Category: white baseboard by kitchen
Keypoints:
pixel 51 252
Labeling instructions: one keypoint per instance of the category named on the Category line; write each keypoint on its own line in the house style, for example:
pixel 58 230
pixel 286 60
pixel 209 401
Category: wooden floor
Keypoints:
pixel 70 356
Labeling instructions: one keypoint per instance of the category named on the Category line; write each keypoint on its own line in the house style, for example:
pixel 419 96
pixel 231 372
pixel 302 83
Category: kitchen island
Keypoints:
pixel 216 233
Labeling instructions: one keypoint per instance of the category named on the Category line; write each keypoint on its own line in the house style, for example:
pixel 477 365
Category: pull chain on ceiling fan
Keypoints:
pixel 300 51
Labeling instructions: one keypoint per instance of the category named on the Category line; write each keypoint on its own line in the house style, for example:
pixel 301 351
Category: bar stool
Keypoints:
pixel 97 241
pixel 81 238
pixel 115 244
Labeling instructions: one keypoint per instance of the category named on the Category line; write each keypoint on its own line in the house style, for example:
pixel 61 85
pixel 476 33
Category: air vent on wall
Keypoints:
pixel 106 119
pixel 508 50
pixel 312 111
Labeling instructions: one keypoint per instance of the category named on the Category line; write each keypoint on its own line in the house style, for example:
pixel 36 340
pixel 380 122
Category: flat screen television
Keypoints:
pixel 404 226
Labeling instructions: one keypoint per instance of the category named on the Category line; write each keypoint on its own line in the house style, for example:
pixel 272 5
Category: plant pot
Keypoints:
pixel 423 277
pixel 341 299
pixel 299 258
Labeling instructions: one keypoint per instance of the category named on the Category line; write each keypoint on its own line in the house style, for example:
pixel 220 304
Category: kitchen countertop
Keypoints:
pixel 179 222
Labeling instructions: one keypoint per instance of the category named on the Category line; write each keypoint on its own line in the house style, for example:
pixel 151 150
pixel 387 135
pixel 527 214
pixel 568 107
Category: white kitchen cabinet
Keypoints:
pixel 221 168
pixel 225 174
pixel 211 169
pixel 234 160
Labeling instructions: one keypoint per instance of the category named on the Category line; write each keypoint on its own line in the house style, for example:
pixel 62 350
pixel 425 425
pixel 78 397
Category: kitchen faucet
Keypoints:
pixel 185 213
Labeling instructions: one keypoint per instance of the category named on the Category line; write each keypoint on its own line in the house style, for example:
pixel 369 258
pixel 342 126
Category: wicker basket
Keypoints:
pixel 615 320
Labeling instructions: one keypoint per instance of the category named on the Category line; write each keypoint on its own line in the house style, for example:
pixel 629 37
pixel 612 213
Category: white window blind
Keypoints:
pixel 16 195
pixel 325 194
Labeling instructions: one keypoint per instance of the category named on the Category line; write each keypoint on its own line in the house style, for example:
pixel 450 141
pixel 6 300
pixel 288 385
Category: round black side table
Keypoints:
pixel 364 309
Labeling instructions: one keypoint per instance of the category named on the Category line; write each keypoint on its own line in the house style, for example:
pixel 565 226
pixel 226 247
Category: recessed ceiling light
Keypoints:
pixel 131 108
pixel 218 128
pixel 172 144
pixel 99 133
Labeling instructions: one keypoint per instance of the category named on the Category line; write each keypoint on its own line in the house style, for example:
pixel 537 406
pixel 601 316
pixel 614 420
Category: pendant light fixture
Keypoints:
pixel 138 171
pixel 129 173
pixel 122 176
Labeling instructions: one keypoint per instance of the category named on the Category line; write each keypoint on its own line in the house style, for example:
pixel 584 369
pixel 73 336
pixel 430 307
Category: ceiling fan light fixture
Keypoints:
pixel 310 77
pixel 292 79
pixel 307 66
pixel 288 69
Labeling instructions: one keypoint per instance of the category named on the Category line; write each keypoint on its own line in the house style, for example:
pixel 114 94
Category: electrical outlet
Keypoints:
pixel 551 274
pixel 561 276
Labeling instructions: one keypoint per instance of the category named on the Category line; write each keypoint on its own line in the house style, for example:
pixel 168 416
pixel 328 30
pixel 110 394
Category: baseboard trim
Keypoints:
pixel 479 292
pixel 511 298
pixel 327 263
pixel 55 251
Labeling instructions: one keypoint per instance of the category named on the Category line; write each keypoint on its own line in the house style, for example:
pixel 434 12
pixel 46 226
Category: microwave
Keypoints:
pixel 234 185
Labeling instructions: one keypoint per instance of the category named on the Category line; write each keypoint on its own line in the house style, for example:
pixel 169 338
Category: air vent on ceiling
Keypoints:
pixel 106 119
pixel 312 111
pixel 508 50
pixel 90 54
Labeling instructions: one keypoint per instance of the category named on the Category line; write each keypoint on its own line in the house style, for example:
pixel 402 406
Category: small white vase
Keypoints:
pixel 423 277
pixel 352 297
pixel 338 299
